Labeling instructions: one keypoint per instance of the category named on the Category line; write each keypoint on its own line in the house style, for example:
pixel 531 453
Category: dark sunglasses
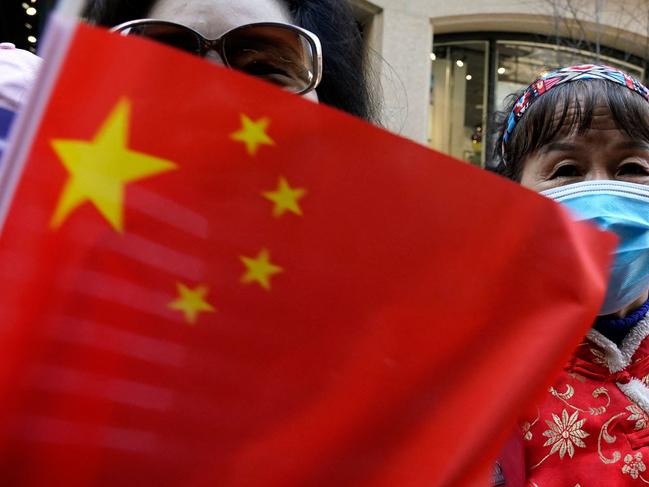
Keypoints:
pixel 283 54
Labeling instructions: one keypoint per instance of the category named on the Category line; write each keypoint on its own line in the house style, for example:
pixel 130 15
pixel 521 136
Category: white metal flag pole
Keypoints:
pixel 58 35
pixel 70 8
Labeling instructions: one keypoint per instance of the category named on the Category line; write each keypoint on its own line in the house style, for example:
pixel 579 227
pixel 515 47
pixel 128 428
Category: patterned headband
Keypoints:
pixel 565 75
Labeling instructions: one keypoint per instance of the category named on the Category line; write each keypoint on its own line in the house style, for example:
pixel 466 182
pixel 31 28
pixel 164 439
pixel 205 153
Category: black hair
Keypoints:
pixel 345 81
pixel 567 108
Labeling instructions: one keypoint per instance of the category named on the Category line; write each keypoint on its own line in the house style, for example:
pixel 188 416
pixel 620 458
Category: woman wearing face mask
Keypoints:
pixel 580 135
pixel 279 53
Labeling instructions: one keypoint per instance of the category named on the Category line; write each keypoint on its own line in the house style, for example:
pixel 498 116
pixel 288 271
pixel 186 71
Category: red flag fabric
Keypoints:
pixel 208 281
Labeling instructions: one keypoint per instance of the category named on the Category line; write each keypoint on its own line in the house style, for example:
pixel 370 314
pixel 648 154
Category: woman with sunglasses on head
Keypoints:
pixel 277 40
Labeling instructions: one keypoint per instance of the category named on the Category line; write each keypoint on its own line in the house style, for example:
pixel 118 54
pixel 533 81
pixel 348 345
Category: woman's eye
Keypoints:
pixel 264 69
pixel 633 169
pixel 566 171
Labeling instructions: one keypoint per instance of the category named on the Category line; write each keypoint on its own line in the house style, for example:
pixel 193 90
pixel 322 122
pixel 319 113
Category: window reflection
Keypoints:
pixel 521 62
pixel 463 99
pixel 458 100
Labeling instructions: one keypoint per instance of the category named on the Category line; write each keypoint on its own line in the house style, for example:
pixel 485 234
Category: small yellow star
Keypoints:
pixel 191 302
pixel 260 269
pixel 285 198
pixel 100 169
pixel 253 134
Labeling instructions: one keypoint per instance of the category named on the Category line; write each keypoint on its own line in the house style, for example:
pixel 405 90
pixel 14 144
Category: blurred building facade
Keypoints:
pixel 446 67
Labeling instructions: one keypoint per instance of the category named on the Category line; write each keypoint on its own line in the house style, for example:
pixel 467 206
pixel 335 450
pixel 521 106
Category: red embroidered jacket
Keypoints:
pixel 592 429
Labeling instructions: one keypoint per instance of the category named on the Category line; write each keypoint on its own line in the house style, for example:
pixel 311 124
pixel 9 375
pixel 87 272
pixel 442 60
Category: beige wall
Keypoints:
pixel 401 35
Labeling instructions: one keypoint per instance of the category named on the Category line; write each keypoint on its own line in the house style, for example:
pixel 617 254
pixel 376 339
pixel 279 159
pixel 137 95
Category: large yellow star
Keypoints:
pixel 100 169
pixel 191 302
pixel 260 269
pixel 253 134
pixel 285 198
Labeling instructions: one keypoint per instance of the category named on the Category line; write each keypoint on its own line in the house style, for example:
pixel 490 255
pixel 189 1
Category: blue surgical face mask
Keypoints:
pixel 621 208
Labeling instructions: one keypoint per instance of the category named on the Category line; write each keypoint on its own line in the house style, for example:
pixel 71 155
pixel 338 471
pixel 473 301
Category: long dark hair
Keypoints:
pixel 345 81
pixel 567 108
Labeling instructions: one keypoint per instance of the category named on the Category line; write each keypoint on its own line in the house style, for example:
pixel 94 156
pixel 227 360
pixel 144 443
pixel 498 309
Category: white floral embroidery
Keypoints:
pixel 600 357
pixel 639 416
pixel 633 465
pixel 570 391
pixel 527 434
pixel 565 433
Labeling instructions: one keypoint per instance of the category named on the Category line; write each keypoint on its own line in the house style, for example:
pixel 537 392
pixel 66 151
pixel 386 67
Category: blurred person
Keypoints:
pixel 18 70
pixel 344 80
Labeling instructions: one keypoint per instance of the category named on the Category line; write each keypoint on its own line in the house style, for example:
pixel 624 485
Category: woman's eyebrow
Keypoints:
pixel 633 144
pixel 558 147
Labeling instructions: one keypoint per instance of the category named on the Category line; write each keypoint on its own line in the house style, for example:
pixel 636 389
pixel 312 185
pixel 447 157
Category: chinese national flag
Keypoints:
pixel 207 281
